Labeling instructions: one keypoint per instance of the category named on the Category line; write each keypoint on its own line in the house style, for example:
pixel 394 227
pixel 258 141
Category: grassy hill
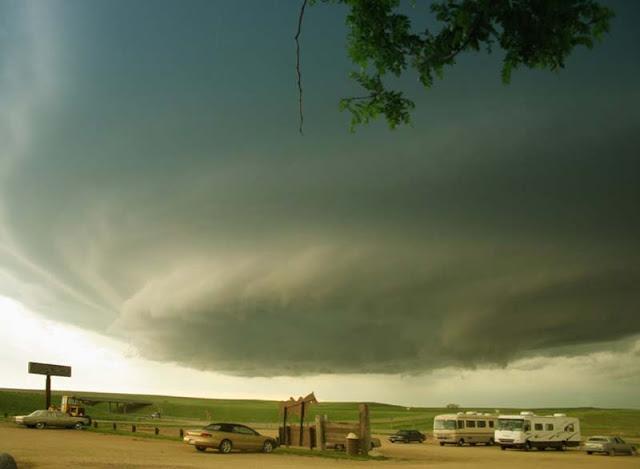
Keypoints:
pixel 384 417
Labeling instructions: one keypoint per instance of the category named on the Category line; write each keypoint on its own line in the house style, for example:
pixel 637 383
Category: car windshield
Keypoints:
pixel 510 424
pixel 403 432
pixel 35 412
pixel 214 427
pixel 444 424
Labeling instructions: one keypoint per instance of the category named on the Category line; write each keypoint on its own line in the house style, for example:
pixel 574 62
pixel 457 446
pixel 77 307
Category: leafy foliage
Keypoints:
pixel 532 33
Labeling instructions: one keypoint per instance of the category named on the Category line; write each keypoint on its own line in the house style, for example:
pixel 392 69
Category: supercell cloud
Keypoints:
pixel 143 196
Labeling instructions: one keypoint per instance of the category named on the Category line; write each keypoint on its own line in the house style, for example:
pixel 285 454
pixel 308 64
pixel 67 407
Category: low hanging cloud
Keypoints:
pixel 519 240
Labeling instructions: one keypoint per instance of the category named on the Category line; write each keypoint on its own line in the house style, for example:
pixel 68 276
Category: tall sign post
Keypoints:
pixel 49 370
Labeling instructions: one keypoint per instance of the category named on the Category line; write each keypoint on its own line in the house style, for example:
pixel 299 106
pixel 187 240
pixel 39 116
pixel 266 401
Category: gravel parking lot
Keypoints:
pixel 82 449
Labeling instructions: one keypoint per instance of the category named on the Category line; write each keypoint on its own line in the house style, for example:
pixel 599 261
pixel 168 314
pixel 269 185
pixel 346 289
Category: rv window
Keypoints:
pixel 537 426
pixel 569 428
pixel 510 424
pixel 460 423
pixel 471 424
pixel 491 423
pixel 439 424
pixel 549 427
pixel 482 424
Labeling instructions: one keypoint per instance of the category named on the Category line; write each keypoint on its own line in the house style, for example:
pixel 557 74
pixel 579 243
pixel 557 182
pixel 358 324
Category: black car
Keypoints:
pixel 407 436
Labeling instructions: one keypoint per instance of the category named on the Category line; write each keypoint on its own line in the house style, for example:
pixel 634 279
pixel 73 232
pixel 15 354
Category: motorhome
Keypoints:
pixel 464 428
pixel 528 430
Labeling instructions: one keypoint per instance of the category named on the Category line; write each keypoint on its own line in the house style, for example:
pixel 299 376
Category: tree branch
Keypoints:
pixel 297 37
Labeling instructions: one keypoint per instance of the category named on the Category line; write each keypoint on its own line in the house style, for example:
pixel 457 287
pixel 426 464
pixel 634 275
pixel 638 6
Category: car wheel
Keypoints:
pixel 268 446
pixel 201 448
pixel 472 444
pixel 225 446
pixel 589 452
pixel 461 442
pixel 527 446
pixel 40 425
pixel 612 452
pixel 503 447
pixel 442 443
pixel 78 426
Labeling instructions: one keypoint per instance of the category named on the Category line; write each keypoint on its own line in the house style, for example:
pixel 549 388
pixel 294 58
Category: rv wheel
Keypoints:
pixel 461 442
pixel 491 442
pixel 442 443
pixel 503 447
pixel 612 452
pixel 528 446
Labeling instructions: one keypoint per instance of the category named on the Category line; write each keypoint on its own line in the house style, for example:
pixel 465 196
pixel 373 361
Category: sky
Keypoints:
pixel 165 229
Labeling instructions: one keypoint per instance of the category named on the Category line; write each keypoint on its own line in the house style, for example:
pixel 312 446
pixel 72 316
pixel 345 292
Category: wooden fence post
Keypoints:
pixel 181 433
pixel 133 428
pixel 301 425
pixel 114 426
pixel 320 440
pixel 365 429
pixel 284 429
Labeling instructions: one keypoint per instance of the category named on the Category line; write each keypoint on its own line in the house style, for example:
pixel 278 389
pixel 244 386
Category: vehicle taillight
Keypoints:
pixel 205 434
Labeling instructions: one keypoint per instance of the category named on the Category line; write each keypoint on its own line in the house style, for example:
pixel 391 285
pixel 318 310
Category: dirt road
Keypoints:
pixel 81 449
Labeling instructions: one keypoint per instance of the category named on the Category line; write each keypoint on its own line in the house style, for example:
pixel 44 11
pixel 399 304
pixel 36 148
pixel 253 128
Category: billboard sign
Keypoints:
pixel 49 369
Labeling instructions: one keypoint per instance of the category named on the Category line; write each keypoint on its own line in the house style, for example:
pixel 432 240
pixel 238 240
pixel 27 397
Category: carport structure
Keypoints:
pixel 118 406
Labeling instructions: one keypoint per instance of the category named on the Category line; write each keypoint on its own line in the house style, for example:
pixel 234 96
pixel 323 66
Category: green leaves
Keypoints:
pixel 533 33
pixel 380 101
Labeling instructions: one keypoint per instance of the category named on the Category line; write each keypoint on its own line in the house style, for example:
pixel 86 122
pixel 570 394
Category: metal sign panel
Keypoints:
pixel 48 369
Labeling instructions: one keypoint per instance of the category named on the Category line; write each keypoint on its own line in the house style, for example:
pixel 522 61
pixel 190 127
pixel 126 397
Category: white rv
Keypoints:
pixel 529 431
pixel 464 428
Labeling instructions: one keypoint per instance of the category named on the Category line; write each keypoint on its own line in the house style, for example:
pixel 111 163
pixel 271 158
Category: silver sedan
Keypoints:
pixel 610 445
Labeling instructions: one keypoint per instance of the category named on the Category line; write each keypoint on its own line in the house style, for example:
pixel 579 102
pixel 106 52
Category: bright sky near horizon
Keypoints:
pixel 102 364
pixel 164 228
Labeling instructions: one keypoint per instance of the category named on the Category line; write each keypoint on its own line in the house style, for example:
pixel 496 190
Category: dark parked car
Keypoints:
pixel 610 445
pixel 407 436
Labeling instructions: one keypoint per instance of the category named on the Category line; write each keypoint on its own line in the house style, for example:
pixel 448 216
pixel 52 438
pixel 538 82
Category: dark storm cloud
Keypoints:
pixel 222 244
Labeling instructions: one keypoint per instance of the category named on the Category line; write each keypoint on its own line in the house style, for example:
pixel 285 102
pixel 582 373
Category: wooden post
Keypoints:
pixel 181 433
pixel 301 424
pixel 48 392
pixel 365 429
pixel 157 430
pixel 114 426
pixel 95 424
pixel 320 440
pixel 284 429
pixel 133 428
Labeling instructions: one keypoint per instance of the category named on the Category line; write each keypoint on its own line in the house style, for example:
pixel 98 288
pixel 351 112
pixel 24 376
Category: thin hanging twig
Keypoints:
pixel 297 36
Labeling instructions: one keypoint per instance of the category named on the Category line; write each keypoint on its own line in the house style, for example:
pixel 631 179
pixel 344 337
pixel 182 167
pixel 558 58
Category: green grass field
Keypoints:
pixel 176 411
